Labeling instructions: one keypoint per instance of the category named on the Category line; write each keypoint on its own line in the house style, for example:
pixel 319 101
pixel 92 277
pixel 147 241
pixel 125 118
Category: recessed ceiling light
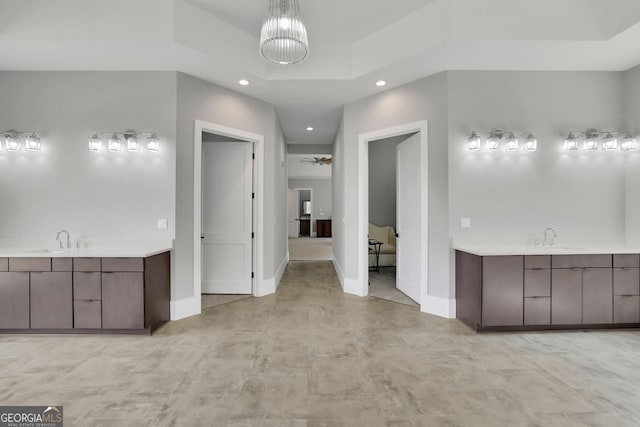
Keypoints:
pixel 244 82
pixel 309 128
pixel 381 83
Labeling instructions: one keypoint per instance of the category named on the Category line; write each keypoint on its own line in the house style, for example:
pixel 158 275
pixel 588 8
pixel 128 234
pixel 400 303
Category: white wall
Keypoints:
pixel 309 148
pixel 93 195
pixel 631 93
pixel 322 206
pixel 199 100
pixel 425 99
pixel 382 180
pixel 519 194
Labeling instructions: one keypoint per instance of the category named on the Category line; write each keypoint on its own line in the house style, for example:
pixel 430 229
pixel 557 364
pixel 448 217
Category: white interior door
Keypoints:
pixel 227 217
pixel 408 204
pixel 293 214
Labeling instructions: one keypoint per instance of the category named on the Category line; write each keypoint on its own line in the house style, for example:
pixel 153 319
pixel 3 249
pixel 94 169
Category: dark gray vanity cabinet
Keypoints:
pixel 51 300
pixel 86 295
pixel 502 290
pixel 547 291
pixel 14 300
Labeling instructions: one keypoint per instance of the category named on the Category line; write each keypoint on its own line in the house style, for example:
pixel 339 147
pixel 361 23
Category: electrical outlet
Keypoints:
pixel 163 224
pixel 465 222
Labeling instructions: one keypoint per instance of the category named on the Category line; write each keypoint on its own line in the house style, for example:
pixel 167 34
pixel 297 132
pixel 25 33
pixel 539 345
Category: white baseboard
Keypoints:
pixel 281 269
pixel 314 234
pixel 442 307
pixel 187 307
pixel 338 268
pixel 269 286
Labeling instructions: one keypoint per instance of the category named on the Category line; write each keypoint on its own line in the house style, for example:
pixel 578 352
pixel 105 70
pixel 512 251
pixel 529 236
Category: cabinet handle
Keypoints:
pixel 627 296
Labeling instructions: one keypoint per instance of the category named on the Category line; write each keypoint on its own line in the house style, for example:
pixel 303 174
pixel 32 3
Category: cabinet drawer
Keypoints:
pixel 14 300
pixel 87 314
pixel 122 300
pixel 51 301
pixel 537 311
pixel 4 264
pixel 626 309
pixel 537 283
pixel 581 261
pixel 29 264
pixel 632 261
pixel 86 264
pixel 626 281
pixel 537 261
pixel 61 264
pixel 87 286
pixel 122 264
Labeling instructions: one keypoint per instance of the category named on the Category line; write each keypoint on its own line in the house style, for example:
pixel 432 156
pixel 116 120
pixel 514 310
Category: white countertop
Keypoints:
pixel 88 249
pixel 493 249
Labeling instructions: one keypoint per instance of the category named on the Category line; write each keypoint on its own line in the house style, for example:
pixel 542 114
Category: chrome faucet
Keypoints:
pixel 60 242
pixel 552 241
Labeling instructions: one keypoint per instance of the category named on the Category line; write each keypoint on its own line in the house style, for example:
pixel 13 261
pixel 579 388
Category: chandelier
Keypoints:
pixel 283 39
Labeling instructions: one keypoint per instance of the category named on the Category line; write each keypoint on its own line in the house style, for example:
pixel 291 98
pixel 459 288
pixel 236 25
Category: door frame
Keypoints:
pixel 258 208
pixel 362 219
pixel 311 215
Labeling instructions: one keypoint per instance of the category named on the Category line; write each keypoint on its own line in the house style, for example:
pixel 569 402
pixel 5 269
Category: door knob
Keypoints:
pixel 397 235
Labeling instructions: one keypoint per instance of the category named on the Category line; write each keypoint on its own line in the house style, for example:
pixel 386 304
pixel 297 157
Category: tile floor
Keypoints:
pixel 383 285
pixel 214 300
pixel 310 249
pixel 312 356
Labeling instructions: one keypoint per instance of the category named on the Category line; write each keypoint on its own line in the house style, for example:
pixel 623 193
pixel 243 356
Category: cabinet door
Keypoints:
pixel 597 296
pixel 626 281
pixel 566 296
pixel 502 290
pixel 537 311
pixel 626 309
pixel 123 300
pixel 51 300
pixel 14 300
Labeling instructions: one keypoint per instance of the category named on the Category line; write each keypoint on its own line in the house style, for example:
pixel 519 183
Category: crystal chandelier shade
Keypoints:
pixel 283 39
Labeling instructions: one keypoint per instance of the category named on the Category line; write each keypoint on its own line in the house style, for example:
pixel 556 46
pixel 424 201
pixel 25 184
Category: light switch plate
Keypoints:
pixel 163 224
pixel 465 222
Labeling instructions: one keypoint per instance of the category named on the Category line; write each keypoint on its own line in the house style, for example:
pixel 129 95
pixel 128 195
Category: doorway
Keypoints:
pixel 411 210
pixel 384 191
pixel 300 212
pixel 228 212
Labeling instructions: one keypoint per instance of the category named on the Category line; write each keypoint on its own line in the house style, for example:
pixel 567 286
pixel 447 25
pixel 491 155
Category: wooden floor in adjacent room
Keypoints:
pixel 312 356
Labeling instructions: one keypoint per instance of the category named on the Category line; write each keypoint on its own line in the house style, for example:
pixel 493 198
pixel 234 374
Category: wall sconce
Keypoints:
pixel 591 140
pixel 511 141
pixel 115 141
pixel 13 138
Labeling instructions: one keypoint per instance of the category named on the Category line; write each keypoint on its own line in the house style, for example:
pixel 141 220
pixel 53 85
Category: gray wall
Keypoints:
pixel 321 196
pixel 93 195
pixel 424 99
pixel 519 194
pixel 382 180
pixel 199 100
pixel 631 93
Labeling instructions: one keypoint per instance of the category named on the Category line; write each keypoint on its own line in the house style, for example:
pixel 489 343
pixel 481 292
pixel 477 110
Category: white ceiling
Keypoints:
pixel 353 44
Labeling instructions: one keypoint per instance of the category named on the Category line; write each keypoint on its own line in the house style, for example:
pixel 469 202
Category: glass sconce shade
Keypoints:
pixel 153 143
pixel 571 143
pixel 492 142
pixel 132 143
pixel 95 143
pixel 32 142
pixel 610 143
pixel 590 144
pixel 629 143
pixel 512 143
pixel 12 141
pixel 114 143
pixel 531 143
pixel 474 142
